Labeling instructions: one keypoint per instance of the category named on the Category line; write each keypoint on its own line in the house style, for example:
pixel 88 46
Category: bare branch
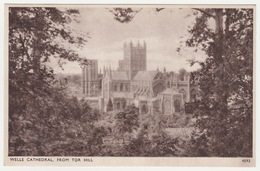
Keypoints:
pixel 159 9
pixel 204 12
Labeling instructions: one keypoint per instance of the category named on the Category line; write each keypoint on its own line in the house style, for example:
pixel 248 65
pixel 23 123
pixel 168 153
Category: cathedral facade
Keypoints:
pixel 131 83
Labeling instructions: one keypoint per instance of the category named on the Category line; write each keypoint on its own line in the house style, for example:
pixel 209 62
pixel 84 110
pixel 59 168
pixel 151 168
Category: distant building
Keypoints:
pixel 116 87
pixel 171 101
pixel 90 80
pixel 133 84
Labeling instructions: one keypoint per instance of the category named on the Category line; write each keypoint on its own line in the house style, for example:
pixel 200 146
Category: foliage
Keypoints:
pixel 36 35
pixel 126 122
pixel 224 115
pixel 124 15
pixel 55 126
pixel 42 120
pixel 143 146
pixel 153 123
pixel 150 141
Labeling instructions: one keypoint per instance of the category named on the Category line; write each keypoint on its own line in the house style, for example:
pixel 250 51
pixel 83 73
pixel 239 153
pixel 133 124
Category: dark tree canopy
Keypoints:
pixel 40 114
pixel 226 83
pixel 36 35
pixel 127 121
pixel 124 15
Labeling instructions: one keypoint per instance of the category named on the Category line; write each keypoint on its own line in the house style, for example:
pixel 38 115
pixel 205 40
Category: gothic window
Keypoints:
pixel 126 87
pixel 121 87
pixel 177 106
pixel 124 104
pixel 184 94
pixel 168 84
pixel 115 87
pixel 144 109
pixel 167 107
pixel 118 105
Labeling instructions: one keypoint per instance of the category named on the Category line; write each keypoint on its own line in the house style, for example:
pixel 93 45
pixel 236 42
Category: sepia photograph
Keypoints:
pixel 88 84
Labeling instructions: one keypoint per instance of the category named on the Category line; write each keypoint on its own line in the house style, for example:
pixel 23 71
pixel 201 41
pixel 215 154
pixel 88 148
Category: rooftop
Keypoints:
pixel 119 75
pixel 145 75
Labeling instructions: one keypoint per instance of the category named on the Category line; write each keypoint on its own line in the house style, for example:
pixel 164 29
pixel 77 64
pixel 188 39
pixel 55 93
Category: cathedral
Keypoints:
pixel 131 83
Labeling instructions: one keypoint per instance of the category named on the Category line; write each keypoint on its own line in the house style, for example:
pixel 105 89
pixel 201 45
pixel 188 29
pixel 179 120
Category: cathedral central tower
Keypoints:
pixel 134 59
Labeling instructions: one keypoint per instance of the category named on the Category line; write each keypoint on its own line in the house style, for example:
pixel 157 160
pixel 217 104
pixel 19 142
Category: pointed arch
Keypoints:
pixel 184 93
pixel 124 104
pixel 121 87
pixel 118 106
pixel 167 107
pixel 144 109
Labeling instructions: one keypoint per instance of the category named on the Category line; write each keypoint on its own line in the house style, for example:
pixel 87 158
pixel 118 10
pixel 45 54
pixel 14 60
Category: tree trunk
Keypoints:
pixel 219 21
pixel 219 36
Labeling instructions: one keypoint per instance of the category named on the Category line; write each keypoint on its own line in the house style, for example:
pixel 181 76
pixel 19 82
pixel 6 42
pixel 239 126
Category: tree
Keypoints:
pixel 124 15
pixel 160 146
pixel 40 115
pixel 55 126
pixel 126 121
pixel 224 113
pixel 153 123
pixel 35 35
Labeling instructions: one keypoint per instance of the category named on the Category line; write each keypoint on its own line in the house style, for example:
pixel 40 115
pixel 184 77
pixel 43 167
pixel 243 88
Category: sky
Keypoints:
pixel 161 31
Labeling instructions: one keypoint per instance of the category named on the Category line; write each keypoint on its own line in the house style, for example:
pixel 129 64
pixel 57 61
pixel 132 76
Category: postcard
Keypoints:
pixel 130 85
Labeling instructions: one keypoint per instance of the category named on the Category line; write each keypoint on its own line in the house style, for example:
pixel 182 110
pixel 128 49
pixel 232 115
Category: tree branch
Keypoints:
pixel 204 12
pixel 123 15
pixel 159 9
